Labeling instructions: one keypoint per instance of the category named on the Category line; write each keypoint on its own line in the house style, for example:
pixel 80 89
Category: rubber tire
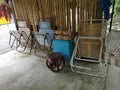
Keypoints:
pixel 55 65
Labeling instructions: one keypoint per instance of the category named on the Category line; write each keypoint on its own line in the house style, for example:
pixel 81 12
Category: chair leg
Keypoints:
pixel 11 43
pixel 27 40
pixel 33 42
pixel 18 36
pixel 19 44
pixel 10 39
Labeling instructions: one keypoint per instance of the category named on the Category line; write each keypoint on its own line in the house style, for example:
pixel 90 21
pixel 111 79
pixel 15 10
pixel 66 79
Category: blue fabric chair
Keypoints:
pixel 45 34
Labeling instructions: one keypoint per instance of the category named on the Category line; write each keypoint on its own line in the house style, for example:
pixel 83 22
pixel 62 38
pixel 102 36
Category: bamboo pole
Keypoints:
pixel 79 15
pixel 13 11
pixel 14 6
pixel 56 18
pixel 82 10
pixel 65 14
pixel 46 7
pixel 22 6
pixel 30 2
pixel 77 7
pixel 60 12
pixel 73 15
pixel 98 8
pixel 35 13
pixel 68 15
pixel 53 11
pixel 95 9
pixel 40 8
pixel 63 20
pixel 17 9
pixel 21 16
pixel 91 10
pixel 24 9
pixel 94 2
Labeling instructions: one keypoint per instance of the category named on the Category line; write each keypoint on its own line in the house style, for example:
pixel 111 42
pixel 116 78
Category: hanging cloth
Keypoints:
pixel 106 8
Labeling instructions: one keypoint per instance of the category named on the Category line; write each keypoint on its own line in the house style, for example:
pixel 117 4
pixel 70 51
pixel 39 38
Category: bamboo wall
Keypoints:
pixel 66 14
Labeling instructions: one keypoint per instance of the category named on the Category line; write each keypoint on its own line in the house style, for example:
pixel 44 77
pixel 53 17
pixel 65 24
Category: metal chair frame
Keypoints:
pixel 18 37
pixel 45 37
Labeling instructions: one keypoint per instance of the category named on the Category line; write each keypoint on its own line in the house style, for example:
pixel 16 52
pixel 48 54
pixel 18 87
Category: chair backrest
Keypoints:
pixel 45 25
pixel 45 28
pixel 23 25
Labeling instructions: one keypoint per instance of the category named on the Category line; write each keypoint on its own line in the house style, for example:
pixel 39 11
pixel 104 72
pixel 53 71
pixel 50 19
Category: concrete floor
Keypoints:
pixel 20 71
pixel 4 37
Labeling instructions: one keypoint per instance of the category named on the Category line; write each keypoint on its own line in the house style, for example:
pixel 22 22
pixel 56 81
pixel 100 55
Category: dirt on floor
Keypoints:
pixel 114 46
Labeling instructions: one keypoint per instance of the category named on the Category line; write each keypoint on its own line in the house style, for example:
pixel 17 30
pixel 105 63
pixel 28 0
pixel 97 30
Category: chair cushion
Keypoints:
pixel 22 24
pixel 45 25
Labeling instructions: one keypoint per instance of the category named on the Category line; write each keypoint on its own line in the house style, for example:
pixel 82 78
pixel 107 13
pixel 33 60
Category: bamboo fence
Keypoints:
pixel 66 14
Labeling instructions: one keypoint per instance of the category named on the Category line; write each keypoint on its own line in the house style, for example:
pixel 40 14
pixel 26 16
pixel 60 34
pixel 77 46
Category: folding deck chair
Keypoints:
pixel 21 38
pixel 45 35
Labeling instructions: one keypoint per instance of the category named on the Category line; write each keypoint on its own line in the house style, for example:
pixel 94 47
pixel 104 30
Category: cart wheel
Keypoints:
pixel 56 66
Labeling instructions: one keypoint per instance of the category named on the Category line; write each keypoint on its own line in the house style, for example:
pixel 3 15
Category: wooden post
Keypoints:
pixel 13 11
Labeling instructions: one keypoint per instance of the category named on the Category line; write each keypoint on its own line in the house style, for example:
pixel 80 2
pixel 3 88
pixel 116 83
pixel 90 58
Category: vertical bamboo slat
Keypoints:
pixel 68 15
pixel 18 9
pixel 73 15
pixel 40 8
pixel 35 13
